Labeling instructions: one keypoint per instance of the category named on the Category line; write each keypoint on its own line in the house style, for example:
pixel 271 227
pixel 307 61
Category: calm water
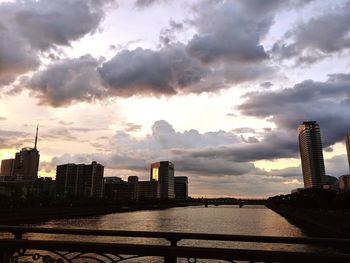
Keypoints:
pixel 249 220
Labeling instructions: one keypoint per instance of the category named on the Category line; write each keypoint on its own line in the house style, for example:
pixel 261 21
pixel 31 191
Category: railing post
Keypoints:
pixel 171 258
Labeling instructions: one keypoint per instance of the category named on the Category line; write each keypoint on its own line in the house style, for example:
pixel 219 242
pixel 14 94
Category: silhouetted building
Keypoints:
pixel 163 172
pixel 344 183
pixel 311 154
pixel 148 190
pixel 7 167
pixel 134 181
pixel 181 187
pixel 330 182
pixel 112 179
pixel 347 142
pixel 83 180
pixel 118 190
pixel 25 165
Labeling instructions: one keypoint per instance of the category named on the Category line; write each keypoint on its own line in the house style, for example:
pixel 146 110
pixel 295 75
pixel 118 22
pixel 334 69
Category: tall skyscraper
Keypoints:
pixel 163 172
pixel 311 154
pixel 347 141
pixel 26 163
pixel 84 180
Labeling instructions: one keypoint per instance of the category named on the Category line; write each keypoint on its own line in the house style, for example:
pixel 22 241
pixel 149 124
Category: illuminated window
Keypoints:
pixel 155 174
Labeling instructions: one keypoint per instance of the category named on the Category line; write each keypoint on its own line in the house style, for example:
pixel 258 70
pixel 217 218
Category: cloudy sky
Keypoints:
pixel 216 87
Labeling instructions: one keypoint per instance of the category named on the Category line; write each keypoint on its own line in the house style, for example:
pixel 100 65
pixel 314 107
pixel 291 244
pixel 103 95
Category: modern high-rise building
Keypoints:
pixel 83 180
pixel 163 172
pixel 148 190
pixel 181 187
pixel 311 154
pixel 26 163
pixel 347 141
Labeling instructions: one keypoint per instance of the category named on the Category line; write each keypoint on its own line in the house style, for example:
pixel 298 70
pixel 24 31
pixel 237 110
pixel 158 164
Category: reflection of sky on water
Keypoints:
pixel 219 220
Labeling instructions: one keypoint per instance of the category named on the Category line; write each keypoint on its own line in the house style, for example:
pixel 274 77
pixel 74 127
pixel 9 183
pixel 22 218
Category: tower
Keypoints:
pixel 311 154
pixel 26 163
pixel 163 172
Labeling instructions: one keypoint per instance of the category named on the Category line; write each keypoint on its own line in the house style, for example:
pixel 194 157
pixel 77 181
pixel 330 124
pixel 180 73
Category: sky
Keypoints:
pixel 216 87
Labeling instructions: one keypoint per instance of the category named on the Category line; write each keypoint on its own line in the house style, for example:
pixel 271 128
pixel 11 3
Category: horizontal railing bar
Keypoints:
pixel 177 235
pixel 184 252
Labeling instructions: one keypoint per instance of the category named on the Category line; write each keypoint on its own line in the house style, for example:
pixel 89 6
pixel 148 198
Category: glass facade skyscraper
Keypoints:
pixel 311 154
pixel 163 172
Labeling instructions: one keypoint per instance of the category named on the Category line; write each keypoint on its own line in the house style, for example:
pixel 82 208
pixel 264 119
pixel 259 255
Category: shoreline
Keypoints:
pixel 316 223
pixel 15 216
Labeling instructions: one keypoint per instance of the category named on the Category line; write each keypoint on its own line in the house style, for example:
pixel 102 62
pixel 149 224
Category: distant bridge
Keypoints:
pixel 232 201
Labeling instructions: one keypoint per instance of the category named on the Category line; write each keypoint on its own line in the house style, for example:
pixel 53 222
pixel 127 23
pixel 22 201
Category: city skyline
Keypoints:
pixel 216 87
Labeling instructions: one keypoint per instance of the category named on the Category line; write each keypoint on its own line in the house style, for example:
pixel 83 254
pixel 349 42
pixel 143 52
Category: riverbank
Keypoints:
pixel 323 223
pixel 14 216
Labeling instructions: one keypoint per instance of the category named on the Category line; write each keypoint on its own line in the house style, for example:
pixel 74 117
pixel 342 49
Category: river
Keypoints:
pixel 249 220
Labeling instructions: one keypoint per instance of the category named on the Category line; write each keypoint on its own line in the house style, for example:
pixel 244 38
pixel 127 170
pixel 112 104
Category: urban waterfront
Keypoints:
pixel 226 219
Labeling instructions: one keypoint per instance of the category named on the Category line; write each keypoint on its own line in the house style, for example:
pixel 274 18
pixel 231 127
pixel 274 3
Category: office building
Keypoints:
pixel 148 190
pixel 82 180
pixel 115 189
pixel 163 172
pixel 347 142
pixel 311 154
pixel 181 187
pixel 344 183
pixel 134 181
pixel 26 163
pixel 7 167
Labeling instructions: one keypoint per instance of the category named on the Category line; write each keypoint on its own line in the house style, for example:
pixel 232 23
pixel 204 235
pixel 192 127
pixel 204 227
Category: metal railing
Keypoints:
pixel 21 249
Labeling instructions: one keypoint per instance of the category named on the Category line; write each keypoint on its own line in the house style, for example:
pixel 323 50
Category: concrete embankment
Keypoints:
pixel 324 223
pixel 13 216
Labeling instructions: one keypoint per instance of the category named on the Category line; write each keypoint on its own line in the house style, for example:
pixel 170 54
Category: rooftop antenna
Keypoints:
pixel 36 136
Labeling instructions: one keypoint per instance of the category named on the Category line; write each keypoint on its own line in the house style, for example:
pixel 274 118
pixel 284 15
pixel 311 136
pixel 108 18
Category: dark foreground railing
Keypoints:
pixel 21 249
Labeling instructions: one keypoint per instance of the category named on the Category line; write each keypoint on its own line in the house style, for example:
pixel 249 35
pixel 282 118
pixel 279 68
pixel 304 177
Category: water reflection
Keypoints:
pixel 249 220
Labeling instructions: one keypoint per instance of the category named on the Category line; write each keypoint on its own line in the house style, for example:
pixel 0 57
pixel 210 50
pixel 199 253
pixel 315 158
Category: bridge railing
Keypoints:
pixel 20 249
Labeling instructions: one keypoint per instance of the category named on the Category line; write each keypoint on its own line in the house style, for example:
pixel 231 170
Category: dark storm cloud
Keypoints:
pixel 226 32
pixel 148 72
pixel 47 23
pixel 318 37
pixel 326 102
pixel 292 172
pixel 16 56
pixel 276 144
pixel 28 28
pixel 212 166
pixel 225 51
pixel 67 80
